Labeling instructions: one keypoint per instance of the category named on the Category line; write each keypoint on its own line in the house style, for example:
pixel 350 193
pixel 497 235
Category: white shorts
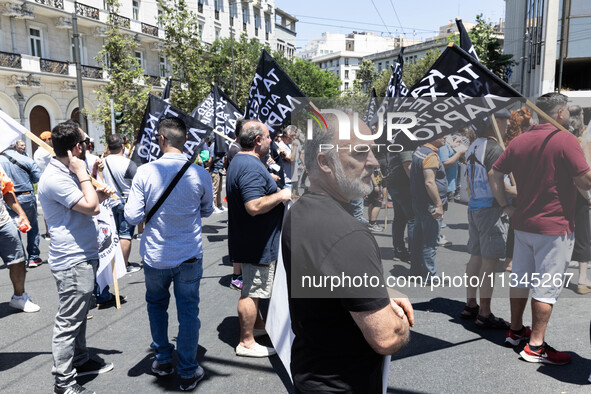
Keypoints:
pixel 540 262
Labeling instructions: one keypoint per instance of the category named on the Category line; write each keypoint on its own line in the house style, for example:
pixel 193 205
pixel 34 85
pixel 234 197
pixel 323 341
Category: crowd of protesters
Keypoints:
pixel 528 204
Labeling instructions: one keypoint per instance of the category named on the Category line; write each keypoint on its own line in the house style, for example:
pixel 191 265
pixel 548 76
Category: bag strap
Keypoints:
pixel 168 190
pixel 16 163
pixel 114 180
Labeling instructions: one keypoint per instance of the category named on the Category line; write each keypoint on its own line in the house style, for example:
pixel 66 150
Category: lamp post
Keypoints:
pixel 232 3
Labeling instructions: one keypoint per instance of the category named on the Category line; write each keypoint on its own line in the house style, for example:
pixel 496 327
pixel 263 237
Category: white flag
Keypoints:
pixel 109 247
pixel 11 130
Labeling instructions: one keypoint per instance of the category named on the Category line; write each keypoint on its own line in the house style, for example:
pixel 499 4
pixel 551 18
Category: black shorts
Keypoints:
pixel 582 249
pixel 373 198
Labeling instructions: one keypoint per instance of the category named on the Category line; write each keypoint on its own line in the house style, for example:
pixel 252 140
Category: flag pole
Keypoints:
pixel 501 142
pixel 115 280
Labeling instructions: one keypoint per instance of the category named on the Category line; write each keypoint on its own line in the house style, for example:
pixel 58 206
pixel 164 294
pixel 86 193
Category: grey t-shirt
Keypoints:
pixel 123 171
pixel 73 234
pixel 4 216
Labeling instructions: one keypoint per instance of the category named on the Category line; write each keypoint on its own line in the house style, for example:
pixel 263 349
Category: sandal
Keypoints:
pixel 470 312
pixel 492 322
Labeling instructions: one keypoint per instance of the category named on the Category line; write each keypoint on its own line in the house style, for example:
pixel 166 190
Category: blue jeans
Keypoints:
pixel 185 278
pixel 29 204
pixel 403 217
pixel 425 242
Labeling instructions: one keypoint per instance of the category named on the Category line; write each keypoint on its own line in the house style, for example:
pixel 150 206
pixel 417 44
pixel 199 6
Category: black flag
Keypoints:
pixel 372 106
pixel 147 148
pixel 456 92
pixel 166 92
pixel 273 97
pixel 219 112
pixel 465 42
pixel 396 88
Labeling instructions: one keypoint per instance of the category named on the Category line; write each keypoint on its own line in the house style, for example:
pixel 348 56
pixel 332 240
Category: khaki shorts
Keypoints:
pixel 257 280
pixel 487 233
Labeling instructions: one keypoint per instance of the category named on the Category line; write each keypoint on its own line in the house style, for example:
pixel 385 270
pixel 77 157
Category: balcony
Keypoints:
pixel 149 29
pixel 11 60
pixel 153 80
pixel 86 11
pixel 52 3
pixel 54 66
pixel 121 21
pixel 92 72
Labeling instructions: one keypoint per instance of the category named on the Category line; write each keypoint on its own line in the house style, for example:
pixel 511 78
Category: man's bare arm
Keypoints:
pixel 264 204
pixel 385 332
pixel 583 182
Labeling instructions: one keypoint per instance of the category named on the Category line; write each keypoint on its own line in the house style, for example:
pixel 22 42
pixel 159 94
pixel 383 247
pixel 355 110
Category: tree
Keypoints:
pixel 365 76
pixel 412 72
pixel 488 47
pixel 246 57
pixel 311 79
pixel 184 52
pixel 381 82
pixel 127 85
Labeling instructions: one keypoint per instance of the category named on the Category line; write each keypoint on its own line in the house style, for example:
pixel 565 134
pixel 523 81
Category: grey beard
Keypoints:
pixel 352 188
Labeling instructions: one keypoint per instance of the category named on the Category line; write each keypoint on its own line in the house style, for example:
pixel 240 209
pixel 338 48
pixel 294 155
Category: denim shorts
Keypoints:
pixel 124 229
pixel 11 247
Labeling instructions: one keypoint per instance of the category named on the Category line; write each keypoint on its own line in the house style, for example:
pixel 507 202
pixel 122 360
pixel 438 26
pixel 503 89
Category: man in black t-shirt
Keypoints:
pixel 255 212
pixel 341 331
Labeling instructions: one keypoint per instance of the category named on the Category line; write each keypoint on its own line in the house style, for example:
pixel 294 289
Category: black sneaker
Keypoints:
pixel 111 301
pixel 74 389
pixel 93 367
pixel 162 369
pixel 402 254
pixel 191 383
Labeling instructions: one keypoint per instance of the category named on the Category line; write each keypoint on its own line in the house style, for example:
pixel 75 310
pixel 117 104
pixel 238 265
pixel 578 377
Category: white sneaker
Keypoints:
pixel 256 351
pixel 217 210
pixel 25 304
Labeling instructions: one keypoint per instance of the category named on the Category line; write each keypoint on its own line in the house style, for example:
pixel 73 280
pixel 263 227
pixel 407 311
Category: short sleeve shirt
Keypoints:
pixel 252 239
pixel 544 162
pixel 73 234
pixel 6 186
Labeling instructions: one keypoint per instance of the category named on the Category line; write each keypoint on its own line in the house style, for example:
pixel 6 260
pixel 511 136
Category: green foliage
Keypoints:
pixel 412 72
pixel 381 82
pixel 310 78
pixel 184 52
pixel 246 57
pixel 366 76
pixel 488 47
pixel 127 85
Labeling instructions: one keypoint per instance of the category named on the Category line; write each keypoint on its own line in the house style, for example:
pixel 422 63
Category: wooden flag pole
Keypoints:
pixel 501 142
pixel 115 280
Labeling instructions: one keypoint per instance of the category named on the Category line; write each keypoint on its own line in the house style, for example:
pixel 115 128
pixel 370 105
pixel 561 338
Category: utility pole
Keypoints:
pixel 232 3
pixel 563 39
pixel 78 72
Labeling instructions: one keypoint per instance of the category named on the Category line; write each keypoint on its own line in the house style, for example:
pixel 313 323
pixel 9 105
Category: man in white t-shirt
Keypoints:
pixel 41 156
pixel 287 156
pixel 118 173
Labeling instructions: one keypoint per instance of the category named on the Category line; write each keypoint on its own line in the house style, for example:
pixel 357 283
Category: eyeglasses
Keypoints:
pixel 158 134
pixel 85 141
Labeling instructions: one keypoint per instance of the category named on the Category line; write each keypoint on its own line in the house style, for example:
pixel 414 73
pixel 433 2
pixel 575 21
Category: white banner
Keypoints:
pixel 109 247
pixel 11 130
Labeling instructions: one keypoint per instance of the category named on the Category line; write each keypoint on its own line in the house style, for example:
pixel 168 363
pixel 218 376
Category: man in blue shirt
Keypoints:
pixel 255 213
pixel 171 248
pixel 24 172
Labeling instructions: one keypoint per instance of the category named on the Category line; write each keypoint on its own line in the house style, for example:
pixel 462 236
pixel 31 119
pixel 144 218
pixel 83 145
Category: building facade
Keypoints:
pixel 550 39
pixel 37 73
pixel 342 54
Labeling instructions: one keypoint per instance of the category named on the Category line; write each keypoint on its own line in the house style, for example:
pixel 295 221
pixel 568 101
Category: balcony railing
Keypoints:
pixel 52 3
pixel 149 29
pixel 12 60
pixel 54 66
pixel 121 21
pixel 92 72
pixel 86 10
pixel 153 80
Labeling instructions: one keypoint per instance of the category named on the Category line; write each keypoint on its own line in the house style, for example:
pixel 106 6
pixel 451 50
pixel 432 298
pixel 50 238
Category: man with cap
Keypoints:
pixel 41 156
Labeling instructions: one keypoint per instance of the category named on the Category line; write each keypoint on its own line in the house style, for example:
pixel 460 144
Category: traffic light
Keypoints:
pixel 118 118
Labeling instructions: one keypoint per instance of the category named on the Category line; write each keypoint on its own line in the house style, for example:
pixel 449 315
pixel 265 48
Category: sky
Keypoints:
pixel 417 19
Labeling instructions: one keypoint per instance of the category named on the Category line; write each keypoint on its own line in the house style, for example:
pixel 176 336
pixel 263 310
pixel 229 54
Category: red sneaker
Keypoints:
pixel 513 339
pixel 547 354
pixel 35 263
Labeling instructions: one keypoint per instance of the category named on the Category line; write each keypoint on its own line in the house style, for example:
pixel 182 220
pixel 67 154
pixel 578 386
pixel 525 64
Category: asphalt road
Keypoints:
pixel 445 354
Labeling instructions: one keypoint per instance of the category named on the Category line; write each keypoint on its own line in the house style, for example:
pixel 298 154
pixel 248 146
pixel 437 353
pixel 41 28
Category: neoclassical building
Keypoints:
pixel 37 73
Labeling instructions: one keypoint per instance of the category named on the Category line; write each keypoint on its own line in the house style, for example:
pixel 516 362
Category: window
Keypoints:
pixel 245 14
pixel 219 7
pixel 140 58
pixel 257 22
pixel 201 26
pixel 160 18
pixel 346 74
pixel 200 5
pixel 217 33
pixel 35 38
pixel 346 85
pixel 346 61
pixel 162 67
pixel 135 9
